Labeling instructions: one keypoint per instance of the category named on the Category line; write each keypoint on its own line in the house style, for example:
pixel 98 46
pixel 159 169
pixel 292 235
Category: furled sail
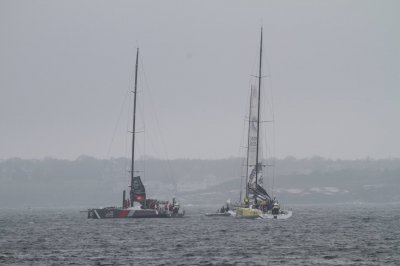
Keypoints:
pixel 252 145
pixel 259 192
pixel 138 192
pixel 255 182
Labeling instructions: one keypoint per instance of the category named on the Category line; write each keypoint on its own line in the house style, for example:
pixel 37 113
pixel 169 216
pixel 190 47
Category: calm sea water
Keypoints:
pixel 314 235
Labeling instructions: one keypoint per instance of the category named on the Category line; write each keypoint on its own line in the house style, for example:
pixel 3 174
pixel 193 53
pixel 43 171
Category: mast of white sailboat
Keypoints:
pixel 258 107
pixel 134 127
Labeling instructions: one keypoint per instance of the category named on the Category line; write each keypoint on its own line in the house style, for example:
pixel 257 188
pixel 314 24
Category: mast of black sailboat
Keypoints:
pixel 134 128
pixel 258 107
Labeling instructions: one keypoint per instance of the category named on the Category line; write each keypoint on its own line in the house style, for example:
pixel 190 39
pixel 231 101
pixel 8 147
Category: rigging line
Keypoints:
pixel 143 121
pixel 120 113
pixel 251 79
pixel 244 153
pixel 241 155
pixel 269 147
pixel 144 143
pixel 254 66
pixel 127 135
pixel 248 140
pixel 274 146
pixel 272 110
pixel 152 107
pixel 267 176
pixel 157 123
pixel 117 123
pixel 264 140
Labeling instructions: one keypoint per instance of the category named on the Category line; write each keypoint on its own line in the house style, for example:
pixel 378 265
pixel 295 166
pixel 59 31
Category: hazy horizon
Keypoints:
pixel 100 182
pixel 150 157
pixel 66 67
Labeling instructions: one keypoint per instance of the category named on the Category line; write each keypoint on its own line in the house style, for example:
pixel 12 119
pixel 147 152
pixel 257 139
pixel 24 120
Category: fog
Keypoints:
pixel 66 67
pixel 90 182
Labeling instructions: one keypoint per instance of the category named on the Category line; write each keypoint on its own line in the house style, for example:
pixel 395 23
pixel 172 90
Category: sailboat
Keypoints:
pixel 137 205
pixel 257 201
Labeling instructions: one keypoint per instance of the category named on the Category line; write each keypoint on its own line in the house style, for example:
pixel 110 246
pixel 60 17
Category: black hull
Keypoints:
pixel 112 213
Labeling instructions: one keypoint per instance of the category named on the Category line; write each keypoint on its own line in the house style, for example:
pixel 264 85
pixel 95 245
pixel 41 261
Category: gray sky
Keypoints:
pixel 65 68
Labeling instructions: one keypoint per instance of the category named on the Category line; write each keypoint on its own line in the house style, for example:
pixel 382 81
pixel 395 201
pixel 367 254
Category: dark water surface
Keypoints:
pixel 315 235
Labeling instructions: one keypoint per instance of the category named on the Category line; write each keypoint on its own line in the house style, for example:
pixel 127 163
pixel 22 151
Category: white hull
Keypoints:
pixel 228 213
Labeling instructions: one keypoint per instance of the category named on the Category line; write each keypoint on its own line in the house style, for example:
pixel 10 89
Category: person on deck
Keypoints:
pixel 246 202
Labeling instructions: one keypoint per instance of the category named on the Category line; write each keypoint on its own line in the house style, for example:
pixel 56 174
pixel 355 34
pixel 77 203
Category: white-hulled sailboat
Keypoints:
pixel 257 202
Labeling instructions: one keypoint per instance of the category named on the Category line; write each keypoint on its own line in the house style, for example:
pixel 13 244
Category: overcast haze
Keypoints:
pixel 65 68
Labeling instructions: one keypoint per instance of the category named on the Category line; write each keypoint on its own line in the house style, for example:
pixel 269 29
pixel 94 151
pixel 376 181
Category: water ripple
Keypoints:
pixel 334 235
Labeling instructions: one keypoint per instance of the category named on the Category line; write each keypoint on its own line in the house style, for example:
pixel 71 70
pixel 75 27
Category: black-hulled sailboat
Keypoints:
pixel 137 205
pixel 257 202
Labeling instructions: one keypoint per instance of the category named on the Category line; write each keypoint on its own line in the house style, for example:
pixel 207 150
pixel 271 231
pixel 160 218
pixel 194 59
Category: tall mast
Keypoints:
pixel 134 126
pixel 258 107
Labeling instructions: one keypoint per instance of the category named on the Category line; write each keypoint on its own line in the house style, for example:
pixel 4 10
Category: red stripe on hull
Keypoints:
pixel 123 214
